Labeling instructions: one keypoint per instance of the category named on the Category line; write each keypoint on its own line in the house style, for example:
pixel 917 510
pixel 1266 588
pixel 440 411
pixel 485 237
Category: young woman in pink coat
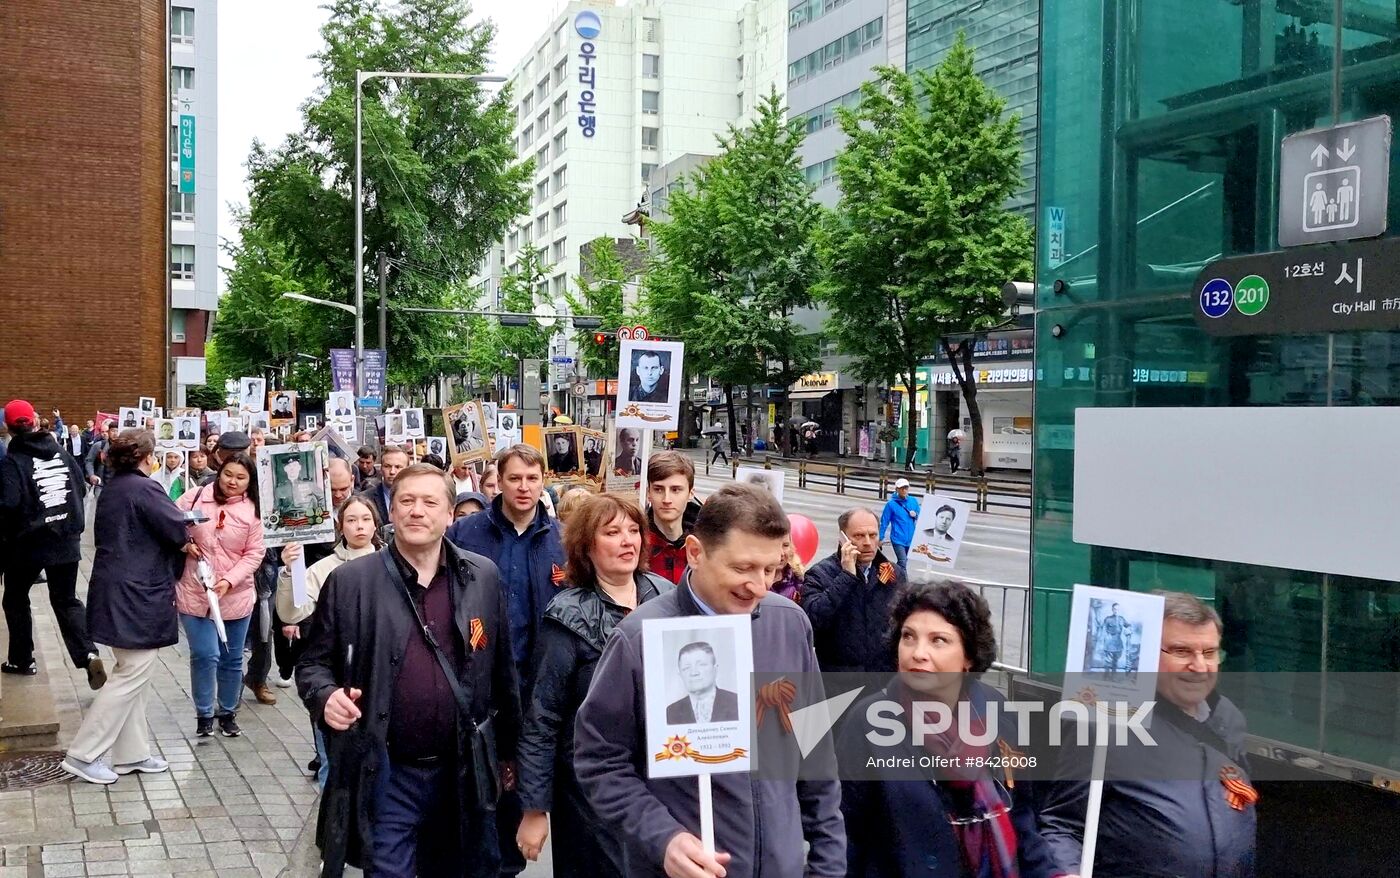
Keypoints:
pixel 231 540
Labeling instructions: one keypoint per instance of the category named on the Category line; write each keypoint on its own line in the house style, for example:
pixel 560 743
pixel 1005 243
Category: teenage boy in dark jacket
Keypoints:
pixel 671 511
pixel 41 524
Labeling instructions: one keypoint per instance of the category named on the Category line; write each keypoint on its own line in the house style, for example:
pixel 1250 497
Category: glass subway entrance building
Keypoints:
pixel 1161 123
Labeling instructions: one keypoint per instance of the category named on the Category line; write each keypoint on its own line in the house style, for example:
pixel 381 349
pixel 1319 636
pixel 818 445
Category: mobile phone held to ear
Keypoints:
pixel 841 536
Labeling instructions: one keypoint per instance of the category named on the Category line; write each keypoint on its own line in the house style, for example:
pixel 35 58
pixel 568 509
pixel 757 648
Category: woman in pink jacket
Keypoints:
pixel 231 540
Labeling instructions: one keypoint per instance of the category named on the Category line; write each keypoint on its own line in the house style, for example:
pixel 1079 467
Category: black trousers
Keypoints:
pixel 67 609
pixel 417 827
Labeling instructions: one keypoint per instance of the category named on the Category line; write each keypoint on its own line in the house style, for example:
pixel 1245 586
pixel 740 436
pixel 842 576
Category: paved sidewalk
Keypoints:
pixel 229 806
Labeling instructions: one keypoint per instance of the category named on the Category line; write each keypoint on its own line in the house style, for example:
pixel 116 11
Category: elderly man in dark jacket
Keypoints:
pixel 139 534
pixel 1183 807
pixel 41 524
pixel 760 823
pixel 848 595
pixel 408 665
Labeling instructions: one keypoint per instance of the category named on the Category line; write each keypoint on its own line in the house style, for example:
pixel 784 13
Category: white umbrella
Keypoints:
pixel 205 574
pixel 956 434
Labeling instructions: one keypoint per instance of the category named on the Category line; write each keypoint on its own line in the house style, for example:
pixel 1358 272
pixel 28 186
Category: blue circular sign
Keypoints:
pixel 1216 297
pixel 588 24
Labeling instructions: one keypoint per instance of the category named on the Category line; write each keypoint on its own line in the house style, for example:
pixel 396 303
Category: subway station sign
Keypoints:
pixel 1325 288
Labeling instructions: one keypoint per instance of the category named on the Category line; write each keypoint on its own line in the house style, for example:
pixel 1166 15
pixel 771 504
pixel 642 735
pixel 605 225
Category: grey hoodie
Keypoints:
pixel 761 823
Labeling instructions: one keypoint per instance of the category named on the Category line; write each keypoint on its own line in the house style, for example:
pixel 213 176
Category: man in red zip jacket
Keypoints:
pixel 671 511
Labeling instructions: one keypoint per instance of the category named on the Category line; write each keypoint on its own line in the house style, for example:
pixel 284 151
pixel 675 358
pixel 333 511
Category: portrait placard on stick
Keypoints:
pixel 466 430
pixel 130 418
pixel 649 384
pixel 508 431
pixel 595 454
pixel 1115 637
pixel 562 453
pixel 282 407
pixel 252 394
pixel 627 452
pixel 939 531
pixel 295 492
pixel 699 700
pixel 770 480
pixel 413 423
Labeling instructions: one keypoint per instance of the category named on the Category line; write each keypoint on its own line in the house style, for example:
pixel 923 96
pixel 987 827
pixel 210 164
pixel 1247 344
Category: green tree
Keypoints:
pixel 441 182
pixel 921 242
pixel 601 293
pixel 519 293
pixel 737 258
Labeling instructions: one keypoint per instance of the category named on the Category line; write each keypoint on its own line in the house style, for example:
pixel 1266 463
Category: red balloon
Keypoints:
pixel 804 537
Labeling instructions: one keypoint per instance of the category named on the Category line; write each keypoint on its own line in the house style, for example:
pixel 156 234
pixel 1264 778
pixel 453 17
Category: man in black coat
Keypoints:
pixel 41 524
pixel 418 759
pixel 847 596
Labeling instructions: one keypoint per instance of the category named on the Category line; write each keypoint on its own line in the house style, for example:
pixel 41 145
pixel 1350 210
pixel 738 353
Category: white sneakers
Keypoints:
pixel 99 772
pixel 285 682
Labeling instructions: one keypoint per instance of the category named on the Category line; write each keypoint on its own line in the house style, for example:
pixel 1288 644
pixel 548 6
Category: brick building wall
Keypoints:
pixel 83 180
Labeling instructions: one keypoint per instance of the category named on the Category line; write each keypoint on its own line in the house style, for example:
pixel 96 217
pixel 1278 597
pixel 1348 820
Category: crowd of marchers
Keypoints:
pixel 469 653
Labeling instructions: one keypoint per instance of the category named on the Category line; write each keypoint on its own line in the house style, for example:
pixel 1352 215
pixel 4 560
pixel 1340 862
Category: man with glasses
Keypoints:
pixel 1184 804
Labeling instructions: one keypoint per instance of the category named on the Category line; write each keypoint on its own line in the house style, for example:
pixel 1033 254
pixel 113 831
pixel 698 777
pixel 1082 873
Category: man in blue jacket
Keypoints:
pixel 901 511
pixel 519 536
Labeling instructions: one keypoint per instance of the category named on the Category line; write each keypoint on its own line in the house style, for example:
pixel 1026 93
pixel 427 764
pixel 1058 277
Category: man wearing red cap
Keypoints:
pixel 41 523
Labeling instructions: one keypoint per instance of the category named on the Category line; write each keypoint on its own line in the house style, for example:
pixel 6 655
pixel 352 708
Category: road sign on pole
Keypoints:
pixel 1334 183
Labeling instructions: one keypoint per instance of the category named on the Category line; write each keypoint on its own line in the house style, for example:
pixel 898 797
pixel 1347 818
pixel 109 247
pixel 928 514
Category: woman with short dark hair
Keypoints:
pixel 606 566
pixel 139 534
pixel 938 822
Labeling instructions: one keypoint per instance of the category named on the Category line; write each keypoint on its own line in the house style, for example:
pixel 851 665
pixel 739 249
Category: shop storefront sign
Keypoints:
pixel 816 381
pixel 1011 375
pixel 1326 288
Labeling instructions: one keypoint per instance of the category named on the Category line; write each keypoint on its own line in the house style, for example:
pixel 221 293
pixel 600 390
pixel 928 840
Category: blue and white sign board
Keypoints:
pixel 588 25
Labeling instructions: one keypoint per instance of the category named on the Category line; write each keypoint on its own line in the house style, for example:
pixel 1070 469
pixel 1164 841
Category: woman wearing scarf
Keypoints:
pixel 936 821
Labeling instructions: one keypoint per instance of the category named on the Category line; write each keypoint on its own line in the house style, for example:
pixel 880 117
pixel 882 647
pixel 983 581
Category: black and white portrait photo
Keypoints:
pixel 394 430
pixel 508 430
pixel 252 395
pixel 627 459
pixel 438 446
pixel 129 418
pixel 561 443
pixel 414 424
pixel 594 451
pixel 282 407
pixel 187 432
pixel 697 669
pixel 466 429
pixel 649 378
pixel 938 532
pixel 771 480
pixel 341 406
pixel 1115 637
pixel 147 405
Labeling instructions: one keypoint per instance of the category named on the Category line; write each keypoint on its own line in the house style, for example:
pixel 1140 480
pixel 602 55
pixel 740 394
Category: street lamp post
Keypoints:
pixel 361 77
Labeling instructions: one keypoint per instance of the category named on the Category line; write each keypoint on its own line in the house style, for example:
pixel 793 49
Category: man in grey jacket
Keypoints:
pixel 1185 807
pixel 733 554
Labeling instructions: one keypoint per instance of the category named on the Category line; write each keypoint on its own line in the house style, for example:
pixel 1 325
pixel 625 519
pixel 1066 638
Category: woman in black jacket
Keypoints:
pixel 606 551
pixel 141 540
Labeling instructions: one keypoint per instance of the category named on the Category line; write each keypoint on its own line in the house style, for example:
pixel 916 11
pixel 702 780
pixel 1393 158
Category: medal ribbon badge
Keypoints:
pixel 634 411
pixel 777 697
pixel 556 575
pixel 886 574
pixel 678 747
pixel 1238 792
pixel 478 635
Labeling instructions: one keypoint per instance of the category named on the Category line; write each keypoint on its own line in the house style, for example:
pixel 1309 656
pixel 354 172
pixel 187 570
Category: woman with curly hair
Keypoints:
pixel 945 822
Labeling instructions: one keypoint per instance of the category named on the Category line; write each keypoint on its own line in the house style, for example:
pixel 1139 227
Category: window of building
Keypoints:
pixel 561 70
pixel 558 284
pixel 809 11
pixel 559 108
pixel 182 262
pixel 181 24
pixel 181 205
pixel 838 51
pixel 542 289
pixel 542 89
pixel 740 59
pixel 559 38
pixel 542 123
pixel 651 102
pixel 648 168
pixel 542 191
pixel 513 242
pixel 560 213
pixel 559 177
pixel 824 116
pixel 542 157
pixel 526 106
pixel 651 66
pixel 527 136
pixel 181 78
pixel 651 30
pixel 559 142
pixel 651 137
pixel 174 143
pixel 541 226
pixel 178 323
pixel 525 236
pixel 559 249
pixel 821 173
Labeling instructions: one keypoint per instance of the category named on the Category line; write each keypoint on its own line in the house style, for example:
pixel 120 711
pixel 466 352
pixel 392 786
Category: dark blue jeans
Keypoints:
pixel 417 827
pixel 901 557
pixel 214 666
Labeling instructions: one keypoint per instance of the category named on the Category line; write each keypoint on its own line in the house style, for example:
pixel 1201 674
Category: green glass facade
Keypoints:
pixel 1004 36
pixel 1159 140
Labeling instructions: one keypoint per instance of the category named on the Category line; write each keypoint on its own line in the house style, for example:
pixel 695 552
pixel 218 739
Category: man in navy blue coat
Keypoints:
pixel 517 533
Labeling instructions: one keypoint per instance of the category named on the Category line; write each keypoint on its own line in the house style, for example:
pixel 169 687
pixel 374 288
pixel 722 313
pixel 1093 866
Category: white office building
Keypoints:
pixel 193 197
pixel 609 93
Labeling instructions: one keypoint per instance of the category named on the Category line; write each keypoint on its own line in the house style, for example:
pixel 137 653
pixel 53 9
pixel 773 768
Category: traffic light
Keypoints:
pixel 600 338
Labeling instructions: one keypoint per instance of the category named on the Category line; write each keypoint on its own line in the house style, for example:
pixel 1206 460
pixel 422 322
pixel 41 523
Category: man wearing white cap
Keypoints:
pixel 901 511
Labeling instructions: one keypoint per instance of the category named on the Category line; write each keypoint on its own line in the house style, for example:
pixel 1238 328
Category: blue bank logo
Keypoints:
pixel 588 24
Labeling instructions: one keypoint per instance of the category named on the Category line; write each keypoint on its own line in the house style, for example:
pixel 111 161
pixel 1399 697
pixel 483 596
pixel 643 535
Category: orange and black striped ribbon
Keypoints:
pixel 886 574
pixel 1238 792
pixel 478 638
pixel 777 696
